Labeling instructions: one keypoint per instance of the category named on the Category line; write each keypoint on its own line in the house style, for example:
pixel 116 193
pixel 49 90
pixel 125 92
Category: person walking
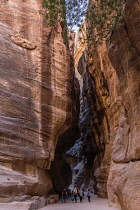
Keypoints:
pixel 75 193
pixel 64 195
pixel 88 195
pixel 81 195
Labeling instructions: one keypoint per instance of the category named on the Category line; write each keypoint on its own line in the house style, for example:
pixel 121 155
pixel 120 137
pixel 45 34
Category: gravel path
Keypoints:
pixel 95 204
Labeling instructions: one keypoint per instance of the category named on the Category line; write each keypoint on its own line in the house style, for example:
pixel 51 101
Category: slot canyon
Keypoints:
pixel 69 115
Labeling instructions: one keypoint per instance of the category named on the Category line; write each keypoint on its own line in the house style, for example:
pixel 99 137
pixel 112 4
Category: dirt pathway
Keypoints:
pixel 96 203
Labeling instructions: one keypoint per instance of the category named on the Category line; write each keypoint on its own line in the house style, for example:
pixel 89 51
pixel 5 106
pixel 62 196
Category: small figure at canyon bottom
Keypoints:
pixel 81 195
pixel 64 195
pixel 75 193
pixel 88 195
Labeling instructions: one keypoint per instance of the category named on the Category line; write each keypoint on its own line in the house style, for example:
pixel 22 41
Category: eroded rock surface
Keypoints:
pixel 94 120
pixel 37 97
pixel 110 116
pixel 125 58
pixel 39 109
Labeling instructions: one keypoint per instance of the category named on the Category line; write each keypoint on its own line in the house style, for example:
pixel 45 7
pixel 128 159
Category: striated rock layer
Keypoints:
pixel 37 100
pixel 94 123
pixel 110 126
pixel 124 176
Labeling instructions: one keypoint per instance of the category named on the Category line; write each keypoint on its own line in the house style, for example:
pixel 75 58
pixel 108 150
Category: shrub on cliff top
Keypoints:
pixel 100 16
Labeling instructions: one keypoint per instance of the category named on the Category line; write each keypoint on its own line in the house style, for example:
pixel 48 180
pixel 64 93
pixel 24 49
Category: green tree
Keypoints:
pixel 100 15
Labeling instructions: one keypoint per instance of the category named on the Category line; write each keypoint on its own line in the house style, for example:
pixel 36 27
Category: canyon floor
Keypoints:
pixel 96 203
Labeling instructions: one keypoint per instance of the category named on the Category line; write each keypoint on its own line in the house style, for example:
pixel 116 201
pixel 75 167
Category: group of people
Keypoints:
pixel 75 194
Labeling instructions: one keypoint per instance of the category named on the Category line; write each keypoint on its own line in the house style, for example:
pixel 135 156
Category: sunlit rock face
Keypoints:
pixel 37 95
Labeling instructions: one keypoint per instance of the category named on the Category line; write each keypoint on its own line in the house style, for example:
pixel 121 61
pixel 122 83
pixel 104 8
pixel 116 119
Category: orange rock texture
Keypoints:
pixel 124 176
pixel 111 112
pixel 37 97
pixel 38 108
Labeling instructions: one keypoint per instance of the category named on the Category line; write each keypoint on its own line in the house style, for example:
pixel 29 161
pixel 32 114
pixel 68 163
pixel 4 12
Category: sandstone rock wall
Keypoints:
pixel 94 118
pixel 124 176
pixel 111 112
pixel 37 96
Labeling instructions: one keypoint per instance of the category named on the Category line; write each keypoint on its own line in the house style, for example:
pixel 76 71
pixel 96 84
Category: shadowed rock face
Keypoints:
pixel 94 121
pixel 37 95
pixel 124 177
pixel 110 114
pixel 94 125
pixel 60 170
pixel 94 128
pixel 60 173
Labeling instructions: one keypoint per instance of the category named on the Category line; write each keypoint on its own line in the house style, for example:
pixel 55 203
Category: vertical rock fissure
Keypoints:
pixel 90 164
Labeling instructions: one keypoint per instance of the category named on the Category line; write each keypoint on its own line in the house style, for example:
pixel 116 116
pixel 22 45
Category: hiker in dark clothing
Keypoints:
pixel 64 195
pixel 81 195
pixel 88 195
pixel 75 193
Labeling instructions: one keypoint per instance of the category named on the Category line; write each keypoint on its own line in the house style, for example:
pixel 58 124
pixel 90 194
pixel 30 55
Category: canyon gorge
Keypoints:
pixel 68 113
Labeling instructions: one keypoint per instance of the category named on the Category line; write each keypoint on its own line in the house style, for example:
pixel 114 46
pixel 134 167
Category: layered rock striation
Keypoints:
pixel 37 97
pixel 110 113
pixel 124 176
pixel 93 119
pixel 39 108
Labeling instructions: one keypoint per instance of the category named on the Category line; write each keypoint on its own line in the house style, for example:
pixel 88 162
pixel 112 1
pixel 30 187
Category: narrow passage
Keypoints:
pixel 96 203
